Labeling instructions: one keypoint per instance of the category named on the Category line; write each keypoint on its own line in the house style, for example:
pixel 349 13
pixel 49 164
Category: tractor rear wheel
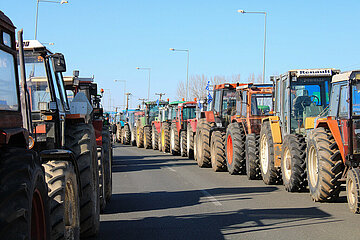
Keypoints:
pixel 183 144
pixel 189 142
pixel 139 136
pixel 80 139
pixel 252 157
pixel 127 134
pixel 165 137
pixel 147 137
pixel 100 156
pixel 122 141
pixel 353 190
pixel 293 163
pixel 203 144
pixel 324 165
pixel 174 140
pixel 270 174
pixel 24 204
pixel 64 199
pixel 218 157
pixel 154 138
pixel 107 161
pixel 235 149
pixel 118 133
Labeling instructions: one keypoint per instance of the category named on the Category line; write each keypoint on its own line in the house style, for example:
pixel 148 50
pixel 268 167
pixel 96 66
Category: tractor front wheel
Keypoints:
pixel 235 149
pixel 353 190
pixel 183 144
pixel 252 157
pixel 189 141
pixel 217 147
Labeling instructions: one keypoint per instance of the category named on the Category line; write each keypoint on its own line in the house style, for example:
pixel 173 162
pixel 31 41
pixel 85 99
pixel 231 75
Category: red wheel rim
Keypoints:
pixel 38 226
pixel 229 149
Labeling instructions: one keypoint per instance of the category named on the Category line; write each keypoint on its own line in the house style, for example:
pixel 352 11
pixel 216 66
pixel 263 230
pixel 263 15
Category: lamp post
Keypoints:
pixel 37 11
pixel 149 69
pixel 243 12
pixel 124 81
pixel 187 69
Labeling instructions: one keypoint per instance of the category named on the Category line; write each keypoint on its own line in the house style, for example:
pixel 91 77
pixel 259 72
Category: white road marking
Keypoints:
pixel 171 169
pixel 211 198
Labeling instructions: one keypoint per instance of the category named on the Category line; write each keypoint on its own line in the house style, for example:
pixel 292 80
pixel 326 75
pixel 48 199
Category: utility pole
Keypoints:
pixel 160 94
pixel 142 100
pixel 127 100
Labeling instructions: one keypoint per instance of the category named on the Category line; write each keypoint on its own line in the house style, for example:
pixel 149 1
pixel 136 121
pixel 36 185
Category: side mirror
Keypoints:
pixel 59 64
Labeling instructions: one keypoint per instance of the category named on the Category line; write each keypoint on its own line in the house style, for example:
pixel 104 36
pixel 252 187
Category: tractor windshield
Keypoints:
pixel 229 102
pixel 153 112
pixel 189 113
pixel 356 100
pixel 261 104
pixel 8 96
pixel 309 98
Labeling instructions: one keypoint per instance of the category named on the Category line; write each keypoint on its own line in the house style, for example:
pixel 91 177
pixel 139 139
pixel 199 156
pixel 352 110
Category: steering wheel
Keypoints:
pixel 315 98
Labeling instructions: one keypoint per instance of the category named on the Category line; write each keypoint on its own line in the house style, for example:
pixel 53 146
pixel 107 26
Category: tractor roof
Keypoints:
pixel 7 22
pixel 227 86
pixel 75 81
pixel 155 103
pixel 254 85
pixel 345 76
pixel 36 46
pixel 176 102
pixel 190 103
pixel 316 72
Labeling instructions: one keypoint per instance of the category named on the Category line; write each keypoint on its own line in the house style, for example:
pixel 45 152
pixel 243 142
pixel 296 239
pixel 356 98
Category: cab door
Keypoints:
pixel 343 117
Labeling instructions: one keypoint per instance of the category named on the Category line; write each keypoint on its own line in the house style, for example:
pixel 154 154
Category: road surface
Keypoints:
pixel 160 196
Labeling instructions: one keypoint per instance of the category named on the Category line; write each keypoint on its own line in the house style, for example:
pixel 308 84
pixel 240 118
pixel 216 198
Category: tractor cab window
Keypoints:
pixel 356 100
pixel 344 105
pixel 36 81
pixel 216 101
pixel 62 89
pixel 189 113
pixel 243 103
pixel 229 102
pixel 56 88
pixel 8 89
pixel 153 112
pixel 261 104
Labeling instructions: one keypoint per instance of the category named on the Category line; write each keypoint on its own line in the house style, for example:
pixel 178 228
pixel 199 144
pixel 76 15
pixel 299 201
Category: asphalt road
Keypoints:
pixel 160 196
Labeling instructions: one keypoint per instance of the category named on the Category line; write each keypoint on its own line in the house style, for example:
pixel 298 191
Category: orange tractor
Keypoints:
pixel 333 146
pixel 253 102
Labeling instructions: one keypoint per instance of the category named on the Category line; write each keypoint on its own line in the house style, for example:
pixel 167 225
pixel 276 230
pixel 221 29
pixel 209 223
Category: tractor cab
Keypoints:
pixel 152 111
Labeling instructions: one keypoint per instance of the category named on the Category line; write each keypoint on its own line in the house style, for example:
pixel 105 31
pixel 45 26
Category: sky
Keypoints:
pixel 110 38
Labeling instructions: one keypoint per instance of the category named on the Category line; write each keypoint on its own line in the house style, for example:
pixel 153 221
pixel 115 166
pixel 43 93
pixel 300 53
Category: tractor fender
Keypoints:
pixel 275 128
pixel 62 155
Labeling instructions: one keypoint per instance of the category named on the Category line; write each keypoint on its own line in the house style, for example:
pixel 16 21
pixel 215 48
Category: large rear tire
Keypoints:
pixel 23 188
pixel 80 139
pixel 174 140
pixel 253 171
pixel 183 144
pixel 324 165
pixel 218 162
pixel 165 137
pixel 235 149
pixel 270 174
pixel 107 160
pixel 64 200
pixel 189 142
pixel 293 163
pixel 155 138
pixel 127 134
pixel 203 144
pixel 139 136
pixel 147 137
pixel 353 190
pixel 100 158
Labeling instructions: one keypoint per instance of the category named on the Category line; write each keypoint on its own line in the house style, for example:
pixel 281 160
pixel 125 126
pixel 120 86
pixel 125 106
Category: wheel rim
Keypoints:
pixel 287 164
pixel 71 215
pixel 138 135
pixel 162 138
pixel 38 225
pixel 195 147
pixel 181 145
pixel 153 138
pixel 264 153
pixel 229 149
pixel 145 140
pixel 172 135
pixel 313 166
pixel 350 187
pixel 188 141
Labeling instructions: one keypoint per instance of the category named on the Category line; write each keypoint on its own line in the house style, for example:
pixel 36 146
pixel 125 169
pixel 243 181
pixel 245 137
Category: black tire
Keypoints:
pixel 100 158
pixel 183 144
pixel 133 136
pixel 154 138
pixel 147 137
pixel 139 136
pixel 235 149
pixel 323 157
pixel 189 142
pixel 253 171
pixel 353 190
pixel 127 134
pixel 165 137
pixel 293 163
pixel 118 133
pixel 122 141
pixel 218 162
pixel 107 161
pixel 174 140
pixel 64 200
pixel 203 144
pixel 80 139
pixel 22 181
pixel 270 174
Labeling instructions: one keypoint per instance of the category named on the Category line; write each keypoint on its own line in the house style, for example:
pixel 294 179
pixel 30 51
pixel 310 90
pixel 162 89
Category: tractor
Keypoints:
pixel 253 102
pixel 128 126
pixel 333 146
pixel 24 201
pixel 144 124
pixel 298 95
pixel 73 85
pixel 178 129
pixel 65 139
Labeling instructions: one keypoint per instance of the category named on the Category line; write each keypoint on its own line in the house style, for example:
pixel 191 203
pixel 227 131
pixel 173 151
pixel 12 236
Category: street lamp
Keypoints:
pixel 187 69
pixel 243 12
pixel 37 11
pixel 124 81
pixel 149 69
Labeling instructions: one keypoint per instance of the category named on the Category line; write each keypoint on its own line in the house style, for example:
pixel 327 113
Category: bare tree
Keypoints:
pixel 181 90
